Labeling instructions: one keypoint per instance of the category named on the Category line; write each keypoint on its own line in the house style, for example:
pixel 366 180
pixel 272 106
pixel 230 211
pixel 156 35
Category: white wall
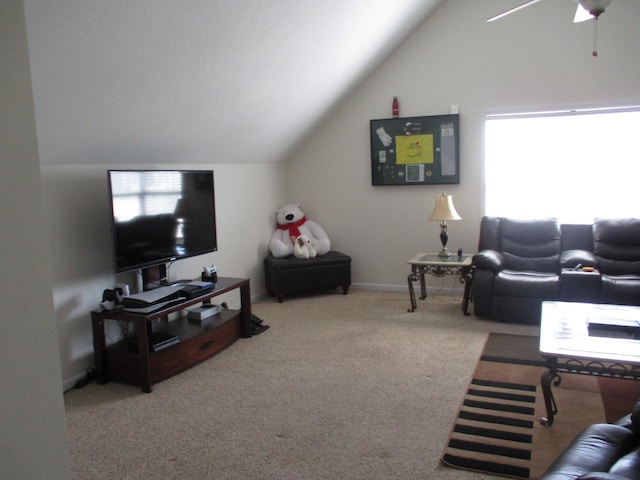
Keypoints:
pixel 77 220
pixel 536 58
pixel 34 439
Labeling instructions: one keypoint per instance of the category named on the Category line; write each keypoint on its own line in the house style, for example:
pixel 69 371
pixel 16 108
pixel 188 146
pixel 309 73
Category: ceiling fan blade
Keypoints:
pixel 581 15
pixel 512 10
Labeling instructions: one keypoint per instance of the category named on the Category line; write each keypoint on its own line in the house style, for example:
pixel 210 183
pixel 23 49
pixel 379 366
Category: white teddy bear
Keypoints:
pixel 302 248
pixel 293 226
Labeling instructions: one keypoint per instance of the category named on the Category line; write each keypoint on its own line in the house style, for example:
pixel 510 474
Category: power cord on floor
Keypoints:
pixel 455 295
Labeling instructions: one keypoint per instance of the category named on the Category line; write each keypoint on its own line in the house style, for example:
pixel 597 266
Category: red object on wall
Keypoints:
pixel 395 108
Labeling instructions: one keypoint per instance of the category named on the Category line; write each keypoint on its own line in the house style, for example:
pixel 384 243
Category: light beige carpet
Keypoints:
pixel 498 425
pixel 340 387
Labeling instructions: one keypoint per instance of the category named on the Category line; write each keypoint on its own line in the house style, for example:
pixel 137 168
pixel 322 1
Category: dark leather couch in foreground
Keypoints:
pixel 521 263
pixel 602 451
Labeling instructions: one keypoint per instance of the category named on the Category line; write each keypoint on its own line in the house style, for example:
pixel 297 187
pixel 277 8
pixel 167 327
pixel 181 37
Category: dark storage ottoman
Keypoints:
pixel 297 275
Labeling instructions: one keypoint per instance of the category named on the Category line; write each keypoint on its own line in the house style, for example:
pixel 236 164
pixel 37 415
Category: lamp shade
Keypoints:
pixel 444 209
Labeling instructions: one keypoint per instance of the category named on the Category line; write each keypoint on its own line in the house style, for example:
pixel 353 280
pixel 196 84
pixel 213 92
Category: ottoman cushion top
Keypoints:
pixel 286 263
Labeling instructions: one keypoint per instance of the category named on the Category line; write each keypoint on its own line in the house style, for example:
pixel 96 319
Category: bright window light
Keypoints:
pixel 574 166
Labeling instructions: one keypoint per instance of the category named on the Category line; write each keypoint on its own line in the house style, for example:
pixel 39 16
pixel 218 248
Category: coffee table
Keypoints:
pixel 437 266
pixel 568 346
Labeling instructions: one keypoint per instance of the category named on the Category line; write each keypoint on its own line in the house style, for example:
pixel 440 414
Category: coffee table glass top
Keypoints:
pixel 564 331
pixel 433 259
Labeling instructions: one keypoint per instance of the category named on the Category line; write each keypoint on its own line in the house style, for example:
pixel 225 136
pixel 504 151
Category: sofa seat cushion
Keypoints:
pixel 511 283
pixel 621 289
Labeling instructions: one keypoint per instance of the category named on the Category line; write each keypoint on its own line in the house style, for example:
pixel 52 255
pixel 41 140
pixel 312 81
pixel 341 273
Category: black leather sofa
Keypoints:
pixel 521 263
pixel 602 451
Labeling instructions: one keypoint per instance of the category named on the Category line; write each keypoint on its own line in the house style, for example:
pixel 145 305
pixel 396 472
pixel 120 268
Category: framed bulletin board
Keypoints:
pixel 415 150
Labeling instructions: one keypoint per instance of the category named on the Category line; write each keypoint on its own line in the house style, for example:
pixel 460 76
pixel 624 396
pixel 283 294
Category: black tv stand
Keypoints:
pixel 197 341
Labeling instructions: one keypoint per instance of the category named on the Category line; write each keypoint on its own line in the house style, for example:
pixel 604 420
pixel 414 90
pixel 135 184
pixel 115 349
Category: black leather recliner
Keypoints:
pixel 517 267
pixel 602 451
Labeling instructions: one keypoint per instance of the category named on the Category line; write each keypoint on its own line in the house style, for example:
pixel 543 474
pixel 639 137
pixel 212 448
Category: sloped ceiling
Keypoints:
pixel 199 81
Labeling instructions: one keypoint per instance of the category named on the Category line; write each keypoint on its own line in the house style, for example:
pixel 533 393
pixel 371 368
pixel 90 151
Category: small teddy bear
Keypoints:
pixel 302 248
pixel 291 224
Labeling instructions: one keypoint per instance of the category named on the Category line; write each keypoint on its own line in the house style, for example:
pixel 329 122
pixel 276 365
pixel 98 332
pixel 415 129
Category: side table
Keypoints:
pixel 437 266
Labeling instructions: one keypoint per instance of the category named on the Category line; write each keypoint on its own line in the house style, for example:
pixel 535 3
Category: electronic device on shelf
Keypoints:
pixel 159 216
pixel 205 311
pixel 159 341
pixel 196 288
pixel 152 300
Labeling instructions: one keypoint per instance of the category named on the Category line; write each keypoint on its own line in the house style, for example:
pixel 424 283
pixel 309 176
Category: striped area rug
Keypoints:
pixel 494 429
pixel 498 430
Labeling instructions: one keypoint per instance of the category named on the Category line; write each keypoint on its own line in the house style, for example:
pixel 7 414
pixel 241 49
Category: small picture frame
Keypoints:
pixel 415 150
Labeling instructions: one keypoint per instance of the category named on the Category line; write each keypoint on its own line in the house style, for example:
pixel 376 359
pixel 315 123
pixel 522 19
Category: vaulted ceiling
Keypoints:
pixel 199 81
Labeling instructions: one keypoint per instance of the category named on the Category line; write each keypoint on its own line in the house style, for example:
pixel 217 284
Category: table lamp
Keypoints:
pixel 443 211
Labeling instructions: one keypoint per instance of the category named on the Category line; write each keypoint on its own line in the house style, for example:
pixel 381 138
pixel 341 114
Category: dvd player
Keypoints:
pixel 152 297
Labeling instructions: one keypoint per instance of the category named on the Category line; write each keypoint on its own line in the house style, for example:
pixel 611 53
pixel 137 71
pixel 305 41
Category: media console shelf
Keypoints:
pixel 134 363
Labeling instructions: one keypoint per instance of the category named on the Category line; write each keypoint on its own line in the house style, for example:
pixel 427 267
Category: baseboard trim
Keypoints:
pixel 403 288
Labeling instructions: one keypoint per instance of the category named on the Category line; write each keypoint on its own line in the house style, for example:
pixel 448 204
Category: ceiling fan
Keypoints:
pixel 586 10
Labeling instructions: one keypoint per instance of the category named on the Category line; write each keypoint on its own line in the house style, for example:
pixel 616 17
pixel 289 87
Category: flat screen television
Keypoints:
pixel 159 216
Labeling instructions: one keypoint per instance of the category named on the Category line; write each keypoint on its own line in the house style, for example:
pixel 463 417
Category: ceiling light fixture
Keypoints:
pixel 595 8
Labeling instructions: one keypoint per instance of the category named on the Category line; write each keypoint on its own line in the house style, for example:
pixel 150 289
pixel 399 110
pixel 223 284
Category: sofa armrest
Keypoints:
pixel 573 258
pixel 631 420
pixel 635 418
pixel 602 476
pixel 488 260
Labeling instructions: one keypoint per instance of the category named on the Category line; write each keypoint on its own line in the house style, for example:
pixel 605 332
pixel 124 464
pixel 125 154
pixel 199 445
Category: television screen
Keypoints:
pixel 158 216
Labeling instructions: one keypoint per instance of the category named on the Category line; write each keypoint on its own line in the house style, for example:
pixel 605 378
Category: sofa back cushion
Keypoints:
pixel 532 245
pixel 577 237
pixel 489 233
pixel 616 244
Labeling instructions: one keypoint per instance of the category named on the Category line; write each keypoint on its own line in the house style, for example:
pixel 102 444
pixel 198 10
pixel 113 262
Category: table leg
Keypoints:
pixel 466 279
pixel 245 306
pixel 99 349
pixel 549 377
pixel 412 295
pixel 143 331
pixel 423 286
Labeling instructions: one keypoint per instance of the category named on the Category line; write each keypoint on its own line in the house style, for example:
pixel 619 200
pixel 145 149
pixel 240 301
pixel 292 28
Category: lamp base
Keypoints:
pixel 444 238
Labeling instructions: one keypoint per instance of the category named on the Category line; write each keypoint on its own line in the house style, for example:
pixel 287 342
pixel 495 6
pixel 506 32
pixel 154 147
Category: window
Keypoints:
pixel 572 165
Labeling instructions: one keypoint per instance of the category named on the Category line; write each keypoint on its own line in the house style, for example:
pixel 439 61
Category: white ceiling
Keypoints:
pixel 199 81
